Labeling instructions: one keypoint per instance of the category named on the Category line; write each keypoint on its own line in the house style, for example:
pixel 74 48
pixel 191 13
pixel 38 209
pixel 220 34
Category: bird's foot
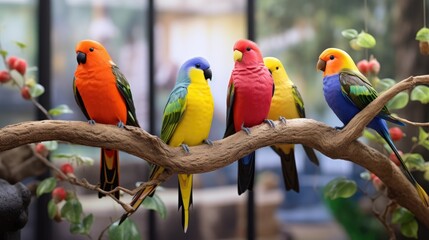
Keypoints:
pixel 246 129
pixel 208 142
pixel 91 121
pixel 282 119
pixel 120 124
pixel 270 122
pixel 339 128
pixel 185 148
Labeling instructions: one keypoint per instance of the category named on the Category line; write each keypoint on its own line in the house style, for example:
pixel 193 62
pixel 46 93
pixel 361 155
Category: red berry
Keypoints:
pixel 396 133
pixel 25 92
pixel 59 194
pixel 374 66
pixel 20 65
pixel 67 168
pixel 363 66
pixel 4 76
pixel 11 62
pixel 394 159
pixel 41 149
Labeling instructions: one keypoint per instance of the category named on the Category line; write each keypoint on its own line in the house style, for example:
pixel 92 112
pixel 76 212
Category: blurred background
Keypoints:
pixel 149 51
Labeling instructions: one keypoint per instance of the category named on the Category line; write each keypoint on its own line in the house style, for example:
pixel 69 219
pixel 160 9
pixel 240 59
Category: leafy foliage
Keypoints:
pixel 46 186
pixel 340 188
pixel 127 230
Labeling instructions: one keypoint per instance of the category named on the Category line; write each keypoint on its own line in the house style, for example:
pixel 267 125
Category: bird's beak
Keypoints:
pixel 321 65
pixel 237 56
pixel 80 57
pixel 208 74
pixel 270 72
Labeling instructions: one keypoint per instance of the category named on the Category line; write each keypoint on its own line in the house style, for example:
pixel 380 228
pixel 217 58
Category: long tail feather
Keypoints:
pixel 246 173
pixel 311 155
pixel 290 173
pixel 143 193
pixel 185 197
pixel 138 200
pixel 422 193
pixel 109 171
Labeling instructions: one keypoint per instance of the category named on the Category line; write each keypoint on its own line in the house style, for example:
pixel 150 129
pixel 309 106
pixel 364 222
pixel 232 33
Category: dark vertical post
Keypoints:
pixel 151 75
pixel 251 226
pixel 44 224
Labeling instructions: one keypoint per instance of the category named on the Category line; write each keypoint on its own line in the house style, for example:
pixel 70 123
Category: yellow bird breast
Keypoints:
pixel 197 118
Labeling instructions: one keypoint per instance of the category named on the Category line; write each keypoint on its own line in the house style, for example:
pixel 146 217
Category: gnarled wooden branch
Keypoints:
pixel 205 158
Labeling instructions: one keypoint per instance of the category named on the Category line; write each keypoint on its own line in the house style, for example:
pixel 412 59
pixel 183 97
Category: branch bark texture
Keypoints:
pixel 204 158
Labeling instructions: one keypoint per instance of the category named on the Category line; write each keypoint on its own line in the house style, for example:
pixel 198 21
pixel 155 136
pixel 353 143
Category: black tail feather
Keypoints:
pixel 290 173
pixel 246 173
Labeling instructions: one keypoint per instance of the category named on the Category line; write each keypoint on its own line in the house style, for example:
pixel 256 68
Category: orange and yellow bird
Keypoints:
pixel 104 96
pixel 286 103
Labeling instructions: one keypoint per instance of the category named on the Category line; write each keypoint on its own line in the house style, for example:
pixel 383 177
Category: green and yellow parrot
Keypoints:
pixel 286 103
pixel 187 120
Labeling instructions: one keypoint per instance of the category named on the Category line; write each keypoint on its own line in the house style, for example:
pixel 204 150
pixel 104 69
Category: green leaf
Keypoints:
pixel 401 215
pixel 51 145
pixel 368 134
pixel 420 93
pixel 414 160
pixel 52 209
pixel 21 45
pixel 398 102
pixel 384 84
pixel 46 186
pixel 410 229
pixel 340 188
pixel 365 40
pixel 423 138
pixel 127 230
pixel 72 210
pixel 156 203
pixel 87 223
pixel 37 90
pixel 423 34
pixel 3 53
pixel 83 227
pixel 349 33
pixel 77 228
pixel 60 109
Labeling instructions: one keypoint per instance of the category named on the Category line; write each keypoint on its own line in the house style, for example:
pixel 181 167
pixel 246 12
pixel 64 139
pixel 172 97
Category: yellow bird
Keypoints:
pixel 286 103
pixel 187 121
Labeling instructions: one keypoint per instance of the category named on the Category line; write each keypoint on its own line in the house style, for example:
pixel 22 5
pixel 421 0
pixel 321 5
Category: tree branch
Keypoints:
pixel 204 158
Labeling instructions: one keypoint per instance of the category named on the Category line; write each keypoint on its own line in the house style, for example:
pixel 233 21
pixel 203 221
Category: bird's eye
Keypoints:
pixel 277 68
pixel 197 65
pixel 248 48
pixel 91 49
pixel 331 57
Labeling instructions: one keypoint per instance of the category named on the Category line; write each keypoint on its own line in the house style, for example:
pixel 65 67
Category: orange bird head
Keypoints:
pixel 247 52
pixel 90 53
pixel 333 60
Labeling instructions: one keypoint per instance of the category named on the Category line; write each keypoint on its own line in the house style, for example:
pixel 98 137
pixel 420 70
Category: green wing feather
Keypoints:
pixel 173 112
pixel 359 91
pixel 299 103
pixel 125 90
pixel 229 110
pixel 79 100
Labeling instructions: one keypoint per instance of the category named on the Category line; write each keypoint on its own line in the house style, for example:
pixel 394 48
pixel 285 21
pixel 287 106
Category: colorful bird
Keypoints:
pixel 104 96
pixel 187 120
pixel 286 103
pixel 347 92
pixel 249 95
